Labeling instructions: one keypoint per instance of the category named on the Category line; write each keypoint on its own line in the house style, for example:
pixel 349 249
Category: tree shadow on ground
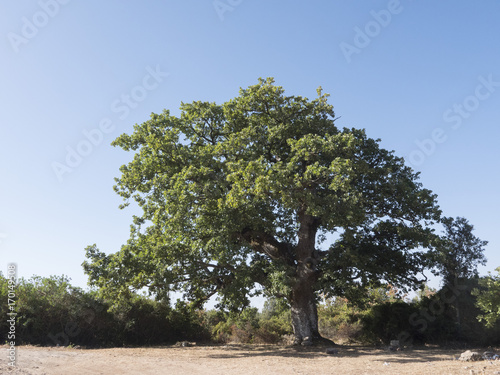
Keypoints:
pixel 413 355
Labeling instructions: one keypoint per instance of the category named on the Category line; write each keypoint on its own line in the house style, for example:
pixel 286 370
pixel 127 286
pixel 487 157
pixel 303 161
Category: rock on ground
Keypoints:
pixel 470 356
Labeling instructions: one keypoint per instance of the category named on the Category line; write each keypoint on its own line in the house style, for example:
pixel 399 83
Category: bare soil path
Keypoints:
pixel 240 360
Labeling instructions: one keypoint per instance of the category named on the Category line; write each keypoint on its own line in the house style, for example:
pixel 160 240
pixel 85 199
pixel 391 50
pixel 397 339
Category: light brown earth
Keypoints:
pixel 241 360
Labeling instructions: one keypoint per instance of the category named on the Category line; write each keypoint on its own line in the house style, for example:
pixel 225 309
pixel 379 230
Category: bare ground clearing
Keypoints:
pixel 241 359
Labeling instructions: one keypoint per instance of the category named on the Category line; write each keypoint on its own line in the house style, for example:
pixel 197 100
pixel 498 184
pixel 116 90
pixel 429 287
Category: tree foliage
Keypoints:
pixel 456 255
pixel 488 299
pixel 237 195
pixel 458 251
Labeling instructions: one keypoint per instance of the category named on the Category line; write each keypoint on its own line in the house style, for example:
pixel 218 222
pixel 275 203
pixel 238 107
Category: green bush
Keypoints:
pixel 52 312
pixel 340 321
pixel 392 321
pixel 250 326
pixel 237 327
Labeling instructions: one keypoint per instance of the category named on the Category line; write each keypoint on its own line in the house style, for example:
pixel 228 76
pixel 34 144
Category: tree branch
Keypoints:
pixel 265 243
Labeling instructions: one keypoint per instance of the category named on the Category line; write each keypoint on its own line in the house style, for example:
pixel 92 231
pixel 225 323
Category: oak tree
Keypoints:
pixel 264 194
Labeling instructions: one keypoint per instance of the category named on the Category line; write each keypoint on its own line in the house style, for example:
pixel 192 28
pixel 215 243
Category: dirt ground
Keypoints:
pixel 241 359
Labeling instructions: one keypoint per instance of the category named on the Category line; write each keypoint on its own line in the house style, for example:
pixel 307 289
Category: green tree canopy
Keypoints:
pixel 458 251
pixel 240 195
pixel 488 299
pixel 456 255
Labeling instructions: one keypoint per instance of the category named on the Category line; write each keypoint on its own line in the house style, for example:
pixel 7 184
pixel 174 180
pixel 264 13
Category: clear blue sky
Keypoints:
pixel 423 76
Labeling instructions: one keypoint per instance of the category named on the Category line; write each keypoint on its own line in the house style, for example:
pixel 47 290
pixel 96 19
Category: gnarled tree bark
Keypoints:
pixel 304 313
pixel 302 297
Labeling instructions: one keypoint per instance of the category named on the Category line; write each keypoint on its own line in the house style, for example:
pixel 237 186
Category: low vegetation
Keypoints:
pixel 52 312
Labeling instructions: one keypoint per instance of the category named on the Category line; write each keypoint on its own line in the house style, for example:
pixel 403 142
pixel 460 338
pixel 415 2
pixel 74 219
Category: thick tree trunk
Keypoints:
pixel 302 298
pixel 304 313
pixel 303 259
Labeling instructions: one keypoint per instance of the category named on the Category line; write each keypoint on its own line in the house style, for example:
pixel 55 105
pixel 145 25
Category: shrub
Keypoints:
pixel 340 320
pixel 391 321
pixel 250 326
pixel 52 312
